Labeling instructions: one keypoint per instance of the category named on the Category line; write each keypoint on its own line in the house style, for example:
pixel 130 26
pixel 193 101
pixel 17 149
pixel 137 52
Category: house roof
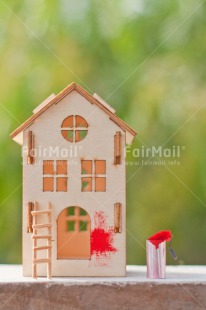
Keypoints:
pixel 130 133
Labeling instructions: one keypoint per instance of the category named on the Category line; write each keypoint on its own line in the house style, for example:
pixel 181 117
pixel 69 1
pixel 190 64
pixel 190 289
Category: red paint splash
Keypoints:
pixel 102 238
pixel 101 241
pixel 100 220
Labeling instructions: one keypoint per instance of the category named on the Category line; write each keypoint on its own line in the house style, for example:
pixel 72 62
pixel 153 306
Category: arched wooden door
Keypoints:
pixel 73 234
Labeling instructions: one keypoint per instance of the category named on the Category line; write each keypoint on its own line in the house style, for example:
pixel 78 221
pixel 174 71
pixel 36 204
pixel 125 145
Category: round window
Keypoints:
pixel 74 128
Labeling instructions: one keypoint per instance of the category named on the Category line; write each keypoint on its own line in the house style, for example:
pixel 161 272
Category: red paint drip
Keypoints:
pixel 101 237
pixel 100 220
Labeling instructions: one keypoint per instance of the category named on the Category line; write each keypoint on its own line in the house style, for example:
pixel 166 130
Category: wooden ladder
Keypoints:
pixel 48 238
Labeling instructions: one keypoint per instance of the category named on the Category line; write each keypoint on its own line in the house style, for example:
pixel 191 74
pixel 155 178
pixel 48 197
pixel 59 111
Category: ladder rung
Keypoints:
pixel 41 260
pixel 40 212
pixel 46 247
pixel 41 226
pixel 42 237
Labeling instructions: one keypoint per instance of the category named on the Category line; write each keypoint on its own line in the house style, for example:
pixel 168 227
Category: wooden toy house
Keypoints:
pixel 74 187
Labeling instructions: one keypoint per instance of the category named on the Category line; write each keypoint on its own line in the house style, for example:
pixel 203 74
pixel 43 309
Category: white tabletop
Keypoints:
pixel 135 274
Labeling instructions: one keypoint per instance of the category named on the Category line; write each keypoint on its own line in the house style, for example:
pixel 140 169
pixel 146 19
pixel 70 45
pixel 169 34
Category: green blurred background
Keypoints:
pixel 148 60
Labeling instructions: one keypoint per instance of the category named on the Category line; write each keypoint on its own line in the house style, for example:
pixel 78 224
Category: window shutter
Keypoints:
pixel 117 148
pixel 117 217
pixel 30 208
pixel 30 157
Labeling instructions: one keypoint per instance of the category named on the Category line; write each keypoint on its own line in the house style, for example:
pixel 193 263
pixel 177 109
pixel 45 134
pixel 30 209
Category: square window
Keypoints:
pixel 100 184
pixel 86 184
pixel 100 166
pixel 70 211
pixel 48 167
pixel 48 184
pixel 70 225
pixel 61 166
pixel 82 226
pixel 61 184
pixel 86 166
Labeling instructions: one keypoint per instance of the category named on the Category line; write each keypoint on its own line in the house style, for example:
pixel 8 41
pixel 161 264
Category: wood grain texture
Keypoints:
pixel 41 296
